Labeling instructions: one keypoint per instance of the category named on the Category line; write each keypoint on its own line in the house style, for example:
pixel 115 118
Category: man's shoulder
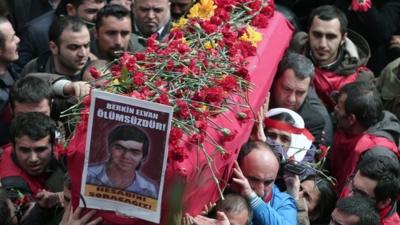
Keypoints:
pixel 146 186
pixel 144 181
pixel 41 23
pixel 11 175
pixel 41 64
pixel 311 113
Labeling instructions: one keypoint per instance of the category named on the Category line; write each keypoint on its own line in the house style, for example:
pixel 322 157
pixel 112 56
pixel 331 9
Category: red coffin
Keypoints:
pixel 199 186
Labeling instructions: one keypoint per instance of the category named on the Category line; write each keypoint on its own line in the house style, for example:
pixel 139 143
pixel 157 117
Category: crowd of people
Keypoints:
pixel 336 88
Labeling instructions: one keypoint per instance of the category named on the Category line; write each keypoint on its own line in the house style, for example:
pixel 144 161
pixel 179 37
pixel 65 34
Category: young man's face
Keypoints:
pixel 9 53
pixel 324 39
pixel 42 107
pixel 33 156
pixel 289 91
pixel 113 35
pixel 126 155
pixel 150 16
pixel 180 7
pixel 87 10
pixel 72 52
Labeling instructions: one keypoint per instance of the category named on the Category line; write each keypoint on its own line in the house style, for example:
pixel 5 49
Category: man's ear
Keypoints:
pixel 352 119
pixel 71 11
pixel 343 39
pixel 53 48
pixel 95 34
pixel 384 203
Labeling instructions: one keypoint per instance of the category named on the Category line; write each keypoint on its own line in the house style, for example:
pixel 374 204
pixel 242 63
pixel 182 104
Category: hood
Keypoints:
pixel 388 127
pixel 356 53
pixel 388 82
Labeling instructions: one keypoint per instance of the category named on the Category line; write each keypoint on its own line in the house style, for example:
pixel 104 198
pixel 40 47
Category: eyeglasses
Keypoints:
pixel 356 191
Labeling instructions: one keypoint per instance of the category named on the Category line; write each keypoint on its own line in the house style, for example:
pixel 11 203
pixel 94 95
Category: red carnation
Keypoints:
pixel 140 56
pixel 260 21
pixel 255 6
pixel 177 153
pixel 269 9
pixel 138 78
pixel 214 94
pixel 94 72
pixel 223 14
pixel 201 124
pixel 197 138
pixel 208 27
pixel 229 83
pixel 228 135
pixel 163 99
pixel 244 115
pixel 183 109
pixel 175 135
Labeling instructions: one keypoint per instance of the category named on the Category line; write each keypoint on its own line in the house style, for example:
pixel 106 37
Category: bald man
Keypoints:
pixel 255 175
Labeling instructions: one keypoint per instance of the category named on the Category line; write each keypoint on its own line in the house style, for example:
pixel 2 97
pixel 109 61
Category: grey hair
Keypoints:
pixel 300 64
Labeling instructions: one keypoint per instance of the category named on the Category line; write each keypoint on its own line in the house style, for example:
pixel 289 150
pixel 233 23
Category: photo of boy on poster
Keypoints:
pixel 128 147
pixel 125 155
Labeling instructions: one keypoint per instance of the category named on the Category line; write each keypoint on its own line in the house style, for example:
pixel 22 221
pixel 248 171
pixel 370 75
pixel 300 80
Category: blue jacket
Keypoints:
pixel 281 210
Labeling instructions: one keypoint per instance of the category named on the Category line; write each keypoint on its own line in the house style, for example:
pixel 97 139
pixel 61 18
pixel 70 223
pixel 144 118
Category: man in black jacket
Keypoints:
pixel 292 89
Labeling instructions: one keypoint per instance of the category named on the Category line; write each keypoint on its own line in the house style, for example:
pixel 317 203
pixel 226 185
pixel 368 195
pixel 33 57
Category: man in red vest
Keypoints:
pixel 378 178
pixel 339 54
pixel 28 166
pixel 361 125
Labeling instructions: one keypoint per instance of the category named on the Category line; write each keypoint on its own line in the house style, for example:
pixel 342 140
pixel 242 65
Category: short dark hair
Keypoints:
pixel 62 23
pixel 61 8
pixel 129 132
pixel 301 65
pixel 233 203
pixel 35 125
pixel 30 89
pixel 2 35
pixel 253 145
pixel 363 100
pixel 361 207
pixel 114 10
pixel 327 13
pixel 384 170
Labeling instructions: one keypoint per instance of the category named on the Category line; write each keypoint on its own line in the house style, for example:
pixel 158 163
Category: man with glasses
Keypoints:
pixel 378 178
pixel 128 148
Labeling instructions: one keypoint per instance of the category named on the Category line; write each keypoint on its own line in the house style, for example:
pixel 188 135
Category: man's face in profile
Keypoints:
pixel 126 155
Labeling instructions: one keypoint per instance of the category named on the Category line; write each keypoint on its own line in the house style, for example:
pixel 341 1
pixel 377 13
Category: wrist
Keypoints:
pixel 252 195
pixel 61 87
